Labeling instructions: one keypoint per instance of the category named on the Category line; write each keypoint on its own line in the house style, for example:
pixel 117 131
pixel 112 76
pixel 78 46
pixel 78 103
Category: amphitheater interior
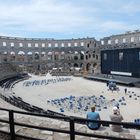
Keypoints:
pixel 10 75
pixel 21 56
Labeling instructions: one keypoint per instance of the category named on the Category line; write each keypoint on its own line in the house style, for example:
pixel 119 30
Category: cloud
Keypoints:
pixel 40 15
pixel 112 25
pixel 70 18
pixel 117 26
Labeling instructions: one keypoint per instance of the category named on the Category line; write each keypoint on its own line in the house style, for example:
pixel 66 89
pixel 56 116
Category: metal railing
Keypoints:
pixel 72 121
pixel 50 114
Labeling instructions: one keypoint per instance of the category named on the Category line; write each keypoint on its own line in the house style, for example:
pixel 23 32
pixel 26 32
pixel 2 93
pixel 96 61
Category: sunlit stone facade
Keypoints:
pixel 45 54
pixel 65 54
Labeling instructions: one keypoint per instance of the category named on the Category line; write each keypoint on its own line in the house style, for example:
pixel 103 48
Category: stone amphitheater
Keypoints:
pixel 27 85
pixel 64 88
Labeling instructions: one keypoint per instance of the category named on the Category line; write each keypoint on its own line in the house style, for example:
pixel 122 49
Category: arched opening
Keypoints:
pixel 5 56
pixel 95 45
pixel 36 56
pixel 93 55
pixel 96 57
pixel 43 55
pixel 87 52
pixel 62 56
pixel 88 66
pixel 49 56
pixel 89 55
pixel 29 56
pixel 21 56
pixel 75 57
pixel 81 65
pixel 94 64
pixel 69 64
pixel 75 65
pixel 88 45
pixel 82 56
pixel 12 56
pixel 56 56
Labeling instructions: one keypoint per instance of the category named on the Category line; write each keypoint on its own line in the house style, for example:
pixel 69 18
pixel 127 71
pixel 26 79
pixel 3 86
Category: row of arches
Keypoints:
pixel 48 53
pixel 43 56
pixel 71 57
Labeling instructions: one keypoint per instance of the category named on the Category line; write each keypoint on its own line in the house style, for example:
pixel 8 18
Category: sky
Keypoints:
pixel 66 19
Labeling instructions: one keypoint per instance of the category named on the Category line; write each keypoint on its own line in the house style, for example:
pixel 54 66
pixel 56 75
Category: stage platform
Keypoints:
pixel 123 80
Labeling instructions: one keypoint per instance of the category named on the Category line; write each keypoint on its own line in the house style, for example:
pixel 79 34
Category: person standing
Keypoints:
pixel 93 116
pixel 116 117
pixel 125 90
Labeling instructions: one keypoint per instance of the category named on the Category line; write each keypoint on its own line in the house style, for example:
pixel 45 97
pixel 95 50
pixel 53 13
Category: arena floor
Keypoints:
pixel 43 91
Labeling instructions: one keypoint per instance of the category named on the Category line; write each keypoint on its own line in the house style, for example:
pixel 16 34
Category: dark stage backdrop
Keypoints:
pixel 121 62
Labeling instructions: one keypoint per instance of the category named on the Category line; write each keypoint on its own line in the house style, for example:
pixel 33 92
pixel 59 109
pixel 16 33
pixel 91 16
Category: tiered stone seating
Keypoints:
pixel 54 123
pixel 60 136
pixel 6 70
pixel 59 124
